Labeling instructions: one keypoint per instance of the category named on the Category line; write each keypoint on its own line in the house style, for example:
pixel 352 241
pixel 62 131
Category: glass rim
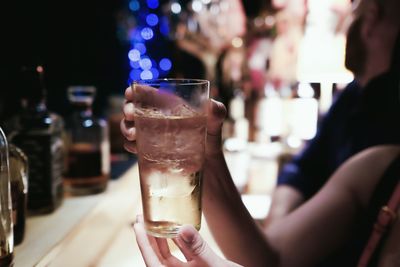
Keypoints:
pixel 174 81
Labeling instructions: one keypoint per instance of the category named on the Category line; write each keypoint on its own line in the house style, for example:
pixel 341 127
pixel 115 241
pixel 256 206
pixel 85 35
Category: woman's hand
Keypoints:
pixel 156 253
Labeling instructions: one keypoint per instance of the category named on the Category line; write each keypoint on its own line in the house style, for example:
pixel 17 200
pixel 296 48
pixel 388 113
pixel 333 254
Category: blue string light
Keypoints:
pixel 165 64
pixel 141 48
pixel 146 75
pixel 152 19
pixel 153 4
pixel 155 73
pixel 134 75
pixel 134 55
pixel 134 64
pixel 147 33
pixel 134 5
pixel 145 63
pixel 146 56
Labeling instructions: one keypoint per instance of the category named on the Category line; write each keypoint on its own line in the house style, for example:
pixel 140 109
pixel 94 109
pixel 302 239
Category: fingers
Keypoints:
pixel 194 247
pixel 129 111
pixel 127 124
pixel 129 94
pixel 130 146
pixel 155 251
pixel 128 129
pixel 216 116
pixel 129 132
pixel 147 246
pixel 163 247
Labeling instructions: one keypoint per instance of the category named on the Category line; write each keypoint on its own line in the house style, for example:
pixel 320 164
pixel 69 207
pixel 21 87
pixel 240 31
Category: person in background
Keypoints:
pixel 364 115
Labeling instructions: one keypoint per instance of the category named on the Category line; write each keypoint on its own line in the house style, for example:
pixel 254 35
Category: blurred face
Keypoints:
pixel 356 52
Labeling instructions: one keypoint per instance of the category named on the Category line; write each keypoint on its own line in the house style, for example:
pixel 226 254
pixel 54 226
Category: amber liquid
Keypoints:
pixel 85 173
pixel 18 211
pixel 171 157
pixel 7 260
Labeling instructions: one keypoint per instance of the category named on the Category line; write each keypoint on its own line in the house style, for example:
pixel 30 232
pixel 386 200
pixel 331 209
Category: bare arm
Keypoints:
pixel 235 231
pixel 284 200
pixel 322 224
pixel 307 235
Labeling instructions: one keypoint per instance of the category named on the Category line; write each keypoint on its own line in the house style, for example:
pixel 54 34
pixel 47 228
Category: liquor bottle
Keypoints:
pixel 19 190
pixel 268 119
pixel 39 134
pixel 115 115
pixel 88 164
pixel 6 226
pixel 304 115
pixel 237 114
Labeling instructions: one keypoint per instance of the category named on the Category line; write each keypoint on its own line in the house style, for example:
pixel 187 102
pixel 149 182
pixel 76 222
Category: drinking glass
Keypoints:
pixel 170 120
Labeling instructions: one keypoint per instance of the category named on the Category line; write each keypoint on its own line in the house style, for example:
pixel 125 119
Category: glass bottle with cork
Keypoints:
pixel 88 167
pixel 39 133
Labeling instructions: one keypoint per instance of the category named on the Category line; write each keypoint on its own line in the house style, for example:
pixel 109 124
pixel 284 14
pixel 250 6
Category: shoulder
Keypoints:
pixel 344 100
pixel 349 93
pixel 362 172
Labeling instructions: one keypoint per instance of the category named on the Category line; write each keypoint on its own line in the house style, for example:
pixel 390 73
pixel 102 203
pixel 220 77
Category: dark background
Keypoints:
pixel 76 42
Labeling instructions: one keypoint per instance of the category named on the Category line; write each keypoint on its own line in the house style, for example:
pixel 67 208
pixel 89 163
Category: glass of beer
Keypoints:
pixel 170 121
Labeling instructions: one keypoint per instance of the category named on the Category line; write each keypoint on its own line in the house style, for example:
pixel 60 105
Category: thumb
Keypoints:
pixel 216 116
pixel 195 248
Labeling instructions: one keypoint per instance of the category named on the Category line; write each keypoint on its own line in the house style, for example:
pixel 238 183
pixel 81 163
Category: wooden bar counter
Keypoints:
pixel 89 231
pixel 97 230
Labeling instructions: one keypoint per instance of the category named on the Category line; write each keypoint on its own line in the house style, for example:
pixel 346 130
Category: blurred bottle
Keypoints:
pixel 88 167
pixel 115 115
pixel 268 119
pixel 39 134
pixel 6 225
pixel 237 115
pixel 19 190
pixel 303 116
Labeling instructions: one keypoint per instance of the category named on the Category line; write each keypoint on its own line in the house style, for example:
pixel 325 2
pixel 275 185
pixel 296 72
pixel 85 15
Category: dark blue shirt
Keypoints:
pixel 358 119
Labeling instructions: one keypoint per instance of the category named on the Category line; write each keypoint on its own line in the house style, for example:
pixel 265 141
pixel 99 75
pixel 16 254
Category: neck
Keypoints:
pixel 377 63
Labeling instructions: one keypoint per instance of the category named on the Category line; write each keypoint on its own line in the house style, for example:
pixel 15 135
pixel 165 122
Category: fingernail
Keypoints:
pixel 133 86
pixel 186 237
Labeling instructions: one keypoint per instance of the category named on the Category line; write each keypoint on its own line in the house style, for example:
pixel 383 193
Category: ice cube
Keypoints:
pixel 169 184
pixel 183 110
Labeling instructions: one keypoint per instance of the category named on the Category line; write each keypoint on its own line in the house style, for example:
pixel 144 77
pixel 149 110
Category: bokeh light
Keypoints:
pixel 146 75
pixel 197 6
pixel 134 64
pixel 145 63
pixel 153 4
pixel 135 74
pixel 164 27
pixel 176 8
pixel 165 64
pixel 134 5
pixel 147 33
pixel 155 73
pixel 140 47
pixel 152 19
pixel 134 55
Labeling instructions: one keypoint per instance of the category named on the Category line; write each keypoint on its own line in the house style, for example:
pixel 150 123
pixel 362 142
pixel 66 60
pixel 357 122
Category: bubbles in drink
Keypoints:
pixel 171 156
pixel 169 184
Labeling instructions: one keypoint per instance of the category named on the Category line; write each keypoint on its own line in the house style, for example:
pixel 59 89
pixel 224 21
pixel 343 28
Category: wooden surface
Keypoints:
pixel 97 230
pixel 90 231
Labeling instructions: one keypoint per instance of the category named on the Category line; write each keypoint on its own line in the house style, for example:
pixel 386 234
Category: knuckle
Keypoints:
pixel 199 246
